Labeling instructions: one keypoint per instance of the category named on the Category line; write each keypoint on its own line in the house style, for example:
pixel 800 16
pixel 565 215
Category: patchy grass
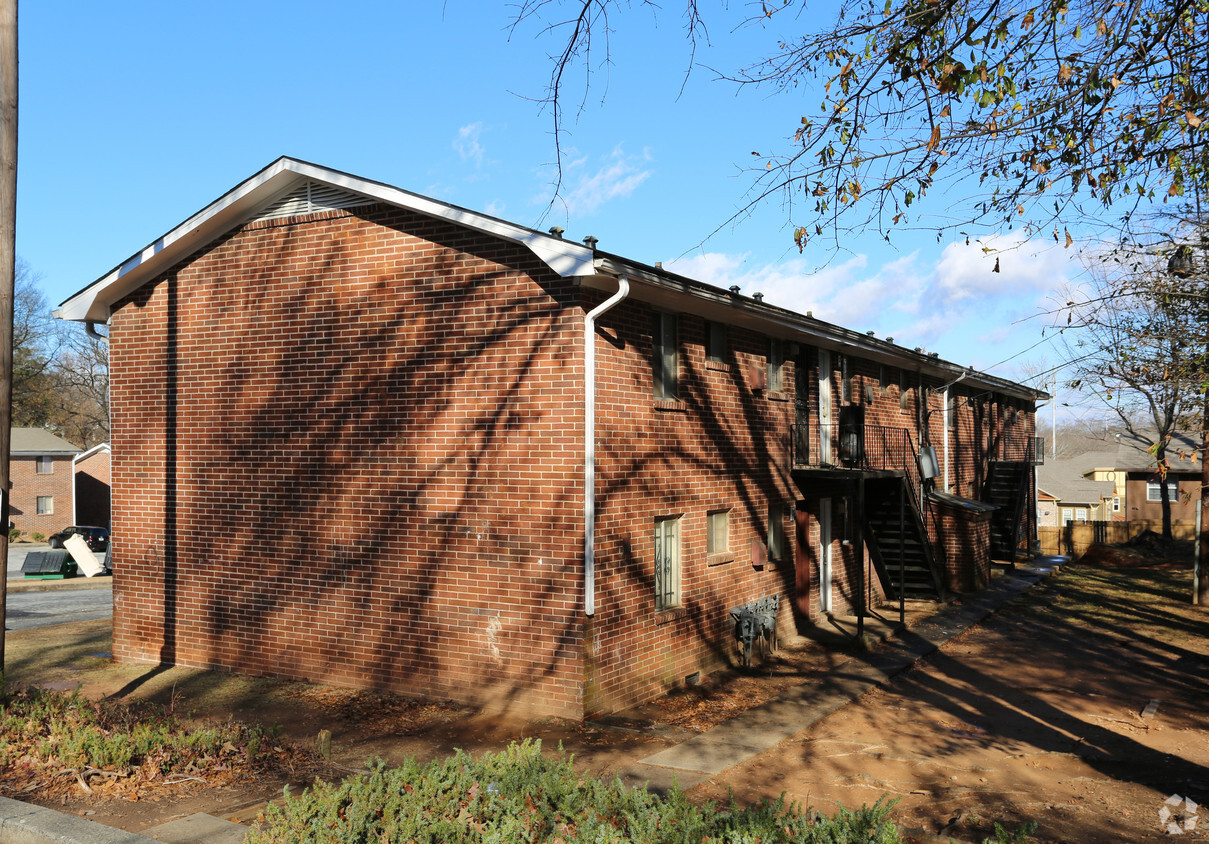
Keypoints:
pixel 55 744
pixel 1146 589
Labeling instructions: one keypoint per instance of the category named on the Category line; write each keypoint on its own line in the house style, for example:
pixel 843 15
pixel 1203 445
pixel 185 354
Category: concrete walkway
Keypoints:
pixel 756 730
pixel 686 764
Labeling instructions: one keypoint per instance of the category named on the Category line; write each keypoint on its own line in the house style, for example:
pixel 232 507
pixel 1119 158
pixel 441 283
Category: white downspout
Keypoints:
pixel 623 290
pixel 945 415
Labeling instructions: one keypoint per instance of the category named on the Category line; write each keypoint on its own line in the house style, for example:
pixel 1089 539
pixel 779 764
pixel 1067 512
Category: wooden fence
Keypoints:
pixel 1074 538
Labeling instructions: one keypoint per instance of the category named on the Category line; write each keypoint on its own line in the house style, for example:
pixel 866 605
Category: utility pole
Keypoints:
pixel 8 258
pixel 1053 415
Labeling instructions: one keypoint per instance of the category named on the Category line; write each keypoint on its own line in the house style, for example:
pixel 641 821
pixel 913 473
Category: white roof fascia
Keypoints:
pixel 94 450
pixel 669 291
pixel 92 304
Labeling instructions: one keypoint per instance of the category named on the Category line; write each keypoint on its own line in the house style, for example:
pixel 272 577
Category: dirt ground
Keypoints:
pixel 1034 715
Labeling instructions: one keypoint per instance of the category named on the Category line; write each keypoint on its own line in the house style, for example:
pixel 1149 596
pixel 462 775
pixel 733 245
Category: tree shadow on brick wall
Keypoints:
pixel 333 459
pixel 720 434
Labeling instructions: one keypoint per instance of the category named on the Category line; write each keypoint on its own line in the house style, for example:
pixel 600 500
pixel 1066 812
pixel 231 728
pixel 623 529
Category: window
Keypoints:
pixel 776 531
pixel 776 360
pixel 1116 504
pixel 666 357
pixel 1068 515
pixel 717 532
pixel 1154 491
pixel 46 505
pixel 1081 514
pixel 715 342
pixel 667 563
pixel 845 379
pixel 46 465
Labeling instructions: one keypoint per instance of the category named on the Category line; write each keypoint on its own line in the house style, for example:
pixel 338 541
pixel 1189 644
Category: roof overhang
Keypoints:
pixel 567 258
pixel 669 291
pixel 245 200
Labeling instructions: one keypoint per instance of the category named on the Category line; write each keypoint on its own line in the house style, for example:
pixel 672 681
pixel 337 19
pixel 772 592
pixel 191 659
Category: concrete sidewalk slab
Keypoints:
pixel 765 726
pixel 199 829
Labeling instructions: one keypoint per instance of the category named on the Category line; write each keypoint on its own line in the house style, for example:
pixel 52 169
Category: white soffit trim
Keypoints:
pixel 240 204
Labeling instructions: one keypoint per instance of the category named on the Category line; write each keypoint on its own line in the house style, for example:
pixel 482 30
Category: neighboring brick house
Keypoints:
pixel 40 470
pixel 92 480
pixel 354 441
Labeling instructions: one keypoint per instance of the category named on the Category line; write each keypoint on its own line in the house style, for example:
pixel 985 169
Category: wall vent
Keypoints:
pixel 311 197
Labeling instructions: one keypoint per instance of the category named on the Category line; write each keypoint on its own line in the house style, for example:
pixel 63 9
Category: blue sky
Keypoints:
pixel 135 116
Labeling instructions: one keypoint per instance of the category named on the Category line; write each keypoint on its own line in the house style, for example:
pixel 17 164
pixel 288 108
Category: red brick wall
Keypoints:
pixel 721 445
pixel 27 485
pixel 346 448
pixel 965 540
pixel 93 481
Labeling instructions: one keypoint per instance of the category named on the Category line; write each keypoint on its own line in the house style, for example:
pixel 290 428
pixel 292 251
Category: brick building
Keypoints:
pixel 40 470
pixel 355 433
pixel 92 480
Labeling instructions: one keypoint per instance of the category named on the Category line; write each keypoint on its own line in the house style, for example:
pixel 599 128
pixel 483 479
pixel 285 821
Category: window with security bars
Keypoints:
pixel 667 563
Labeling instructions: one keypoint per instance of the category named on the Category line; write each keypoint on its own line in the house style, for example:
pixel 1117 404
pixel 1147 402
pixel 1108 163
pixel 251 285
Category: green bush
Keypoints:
pixel 37 537
pixel 14 534
pixel 519 795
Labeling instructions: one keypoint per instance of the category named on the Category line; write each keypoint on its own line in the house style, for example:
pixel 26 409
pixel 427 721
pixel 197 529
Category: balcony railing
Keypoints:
pixel 854 447
pixel 1018 450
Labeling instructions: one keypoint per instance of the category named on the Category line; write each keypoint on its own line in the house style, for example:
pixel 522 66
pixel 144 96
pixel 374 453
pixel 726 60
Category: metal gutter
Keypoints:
pixel 662 288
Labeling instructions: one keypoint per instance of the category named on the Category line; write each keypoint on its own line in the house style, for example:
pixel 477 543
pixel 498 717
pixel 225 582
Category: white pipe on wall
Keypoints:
pixel 623 290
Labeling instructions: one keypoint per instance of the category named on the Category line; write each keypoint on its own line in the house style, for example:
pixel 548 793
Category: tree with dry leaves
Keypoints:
pixel 1136 336
pixel 60 374
pixel 1038 114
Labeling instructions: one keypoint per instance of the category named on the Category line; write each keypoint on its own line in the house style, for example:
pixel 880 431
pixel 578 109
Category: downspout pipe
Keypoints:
pixel 623 290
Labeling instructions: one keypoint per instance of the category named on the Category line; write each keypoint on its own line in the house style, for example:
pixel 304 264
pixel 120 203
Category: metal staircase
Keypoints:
pixel 898 541
pixel 1007 488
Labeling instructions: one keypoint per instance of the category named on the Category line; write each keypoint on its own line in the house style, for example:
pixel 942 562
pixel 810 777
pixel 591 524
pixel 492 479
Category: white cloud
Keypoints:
pixel 965 271
pixel 467 144
pixel 954 304
pixel 618 177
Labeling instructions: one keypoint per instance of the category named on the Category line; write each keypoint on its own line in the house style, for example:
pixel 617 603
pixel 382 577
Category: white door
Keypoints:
pixel 825 554
pixel 824 406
